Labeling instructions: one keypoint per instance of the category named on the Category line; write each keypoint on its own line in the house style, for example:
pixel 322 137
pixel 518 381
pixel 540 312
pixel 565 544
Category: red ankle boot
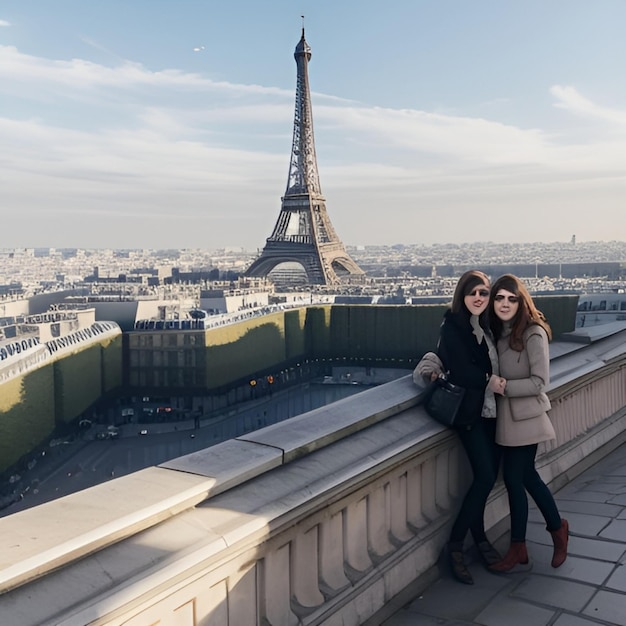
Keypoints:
pixel 516 556
pixel 560 538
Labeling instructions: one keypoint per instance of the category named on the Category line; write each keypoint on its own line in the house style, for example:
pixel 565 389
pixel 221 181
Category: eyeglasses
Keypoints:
pixel 511 299
pixel 483 293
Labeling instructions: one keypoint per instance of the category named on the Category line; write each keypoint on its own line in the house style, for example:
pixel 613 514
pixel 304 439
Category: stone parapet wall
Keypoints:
pixel 322 519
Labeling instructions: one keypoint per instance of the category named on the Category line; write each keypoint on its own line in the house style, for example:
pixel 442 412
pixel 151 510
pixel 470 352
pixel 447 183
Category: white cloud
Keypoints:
pixel 570 100
pixel 4 23
pixel 81 74
pixel 129 142
pixel 463 138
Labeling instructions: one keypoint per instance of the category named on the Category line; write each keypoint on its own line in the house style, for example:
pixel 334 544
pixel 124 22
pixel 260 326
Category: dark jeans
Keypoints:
pixel 520 476
pixel 484 457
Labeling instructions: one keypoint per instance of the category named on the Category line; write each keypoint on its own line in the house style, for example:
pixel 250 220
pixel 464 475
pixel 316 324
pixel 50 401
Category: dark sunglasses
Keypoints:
pixel 483 293
pixel 511 299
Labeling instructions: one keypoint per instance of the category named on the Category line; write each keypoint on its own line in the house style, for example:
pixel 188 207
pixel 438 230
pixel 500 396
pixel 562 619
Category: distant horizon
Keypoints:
pixel 237 248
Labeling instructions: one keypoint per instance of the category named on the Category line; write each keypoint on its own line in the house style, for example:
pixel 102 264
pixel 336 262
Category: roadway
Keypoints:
pixel 70 467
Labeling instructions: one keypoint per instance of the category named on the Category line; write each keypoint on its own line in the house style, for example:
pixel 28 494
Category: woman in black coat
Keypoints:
pixel 469 356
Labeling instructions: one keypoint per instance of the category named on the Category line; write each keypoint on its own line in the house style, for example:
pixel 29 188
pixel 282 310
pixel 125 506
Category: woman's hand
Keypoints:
pixel 429 368
pixel 497 384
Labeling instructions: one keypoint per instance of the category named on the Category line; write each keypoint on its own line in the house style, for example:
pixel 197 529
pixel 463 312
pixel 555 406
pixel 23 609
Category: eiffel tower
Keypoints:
pixel 303 233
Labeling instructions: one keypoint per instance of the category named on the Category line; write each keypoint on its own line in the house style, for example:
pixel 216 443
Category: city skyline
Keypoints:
pixel 163 125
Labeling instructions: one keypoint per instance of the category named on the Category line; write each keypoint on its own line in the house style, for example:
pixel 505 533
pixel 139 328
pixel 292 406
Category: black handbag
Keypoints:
pixel 444 401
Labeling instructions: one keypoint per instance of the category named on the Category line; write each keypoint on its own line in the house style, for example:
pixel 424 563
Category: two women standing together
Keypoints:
pixel 494 343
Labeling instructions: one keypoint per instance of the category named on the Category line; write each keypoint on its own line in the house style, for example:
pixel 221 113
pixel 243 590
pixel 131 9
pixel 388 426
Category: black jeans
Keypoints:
pixel 520 476
pixel 484 456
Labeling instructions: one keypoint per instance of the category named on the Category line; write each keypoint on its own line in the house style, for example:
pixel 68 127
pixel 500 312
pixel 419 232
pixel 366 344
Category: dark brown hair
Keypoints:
pixel 527 313
pixel 467 283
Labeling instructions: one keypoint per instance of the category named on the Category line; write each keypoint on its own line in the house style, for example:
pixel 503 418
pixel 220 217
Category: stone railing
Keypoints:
pixel 326 518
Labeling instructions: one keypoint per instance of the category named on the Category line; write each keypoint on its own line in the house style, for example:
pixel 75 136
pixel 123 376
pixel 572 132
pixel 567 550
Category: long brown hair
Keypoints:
pixel 527 313
pixel 467 283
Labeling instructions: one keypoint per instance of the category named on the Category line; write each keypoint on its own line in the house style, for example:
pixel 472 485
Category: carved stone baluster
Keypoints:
pixel 416 518
pixel 398 505
pixel 275 593
pixel 357 559
pixel 429 500
pixel 332 575
pixel 306 596
pixel 379 523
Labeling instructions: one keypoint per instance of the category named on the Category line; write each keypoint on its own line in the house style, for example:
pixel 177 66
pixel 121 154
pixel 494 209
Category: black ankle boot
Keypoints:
pixel 488 554
pixel 457 564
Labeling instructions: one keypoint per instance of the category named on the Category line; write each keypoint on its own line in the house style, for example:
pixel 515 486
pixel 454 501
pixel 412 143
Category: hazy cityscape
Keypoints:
pixel 27 271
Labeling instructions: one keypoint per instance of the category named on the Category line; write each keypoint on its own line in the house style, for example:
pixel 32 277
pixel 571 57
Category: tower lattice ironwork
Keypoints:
pixel 303 233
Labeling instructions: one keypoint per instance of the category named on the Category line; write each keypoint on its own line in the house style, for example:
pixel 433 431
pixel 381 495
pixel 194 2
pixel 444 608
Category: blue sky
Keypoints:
pixel 168 124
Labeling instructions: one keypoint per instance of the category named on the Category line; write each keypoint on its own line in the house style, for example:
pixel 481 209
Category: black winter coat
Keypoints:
pixel 467 362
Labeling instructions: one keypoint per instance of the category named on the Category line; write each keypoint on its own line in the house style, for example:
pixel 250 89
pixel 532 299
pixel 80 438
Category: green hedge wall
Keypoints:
pixel 358 332
pixel 384 332
pixel 77 382
pixel 560 311
pixel 355 332
pixel 56 393
pixel 242 349
pixel 26 414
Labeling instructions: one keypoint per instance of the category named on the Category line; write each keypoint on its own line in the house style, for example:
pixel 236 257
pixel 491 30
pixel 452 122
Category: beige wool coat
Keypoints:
pixel 522 412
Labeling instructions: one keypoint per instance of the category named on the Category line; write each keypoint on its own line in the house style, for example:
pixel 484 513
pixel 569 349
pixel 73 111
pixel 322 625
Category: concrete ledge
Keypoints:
pixel 235 522
pixel 589 334
pixel 568 365
pixel 216 463
pixel 310 431
pixel 36 541
pixel 261 450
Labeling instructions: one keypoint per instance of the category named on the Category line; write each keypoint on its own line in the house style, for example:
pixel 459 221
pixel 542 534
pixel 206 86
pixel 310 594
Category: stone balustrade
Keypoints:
pixel 327 518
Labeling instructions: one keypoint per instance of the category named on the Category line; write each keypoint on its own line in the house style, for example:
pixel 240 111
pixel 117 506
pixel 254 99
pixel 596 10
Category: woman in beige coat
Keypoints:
pixel 522 335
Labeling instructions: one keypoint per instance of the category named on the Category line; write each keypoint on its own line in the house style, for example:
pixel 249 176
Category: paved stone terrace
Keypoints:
pixel 589 589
